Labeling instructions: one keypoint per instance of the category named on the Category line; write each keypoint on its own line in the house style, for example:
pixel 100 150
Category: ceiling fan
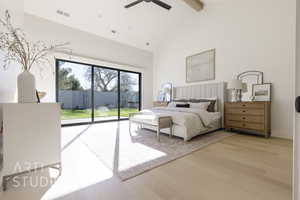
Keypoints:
pixel 157 2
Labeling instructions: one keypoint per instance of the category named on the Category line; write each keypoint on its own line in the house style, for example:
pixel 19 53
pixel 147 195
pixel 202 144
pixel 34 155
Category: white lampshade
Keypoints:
pixel 235 84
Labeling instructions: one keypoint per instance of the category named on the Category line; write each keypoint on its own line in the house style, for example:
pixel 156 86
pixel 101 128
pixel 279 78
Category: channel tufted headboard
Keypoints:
pixel 199 91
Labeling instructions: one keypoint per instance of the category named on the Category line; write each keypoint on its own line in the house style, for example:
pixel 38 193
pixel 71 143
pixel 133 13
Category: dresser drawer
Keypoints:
pixel 246 118
pixel 259 105
pixel 245 125
pixel 241 111
pixel 249 116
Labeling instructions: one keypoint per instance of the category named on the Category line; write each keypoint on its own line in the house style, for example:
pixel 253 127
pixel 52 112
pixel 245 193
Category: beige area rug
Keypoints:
pixel 129 155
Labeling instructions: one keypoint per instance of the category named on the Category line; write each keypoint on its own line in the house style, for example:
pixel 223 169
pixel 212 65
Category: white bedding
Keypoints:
pixel 193 120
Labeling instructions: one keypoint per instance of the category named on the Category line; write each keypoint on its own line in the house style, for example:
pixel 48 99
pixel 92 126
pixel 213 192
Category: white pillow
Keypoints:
pixel 201 105
pixel 215 99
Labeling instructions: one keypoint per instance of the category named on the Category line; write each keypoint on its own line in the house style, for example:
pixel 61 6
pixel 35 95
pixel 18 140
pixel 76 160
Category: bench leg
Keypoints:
pixel 158 134
pixel 129 127
pixel 4 183
pixel 171 131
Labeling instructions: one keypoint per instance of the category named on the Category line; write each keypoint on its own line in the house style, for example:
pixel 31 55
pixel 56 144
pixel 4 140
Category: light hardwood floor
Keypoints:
pixel 240 167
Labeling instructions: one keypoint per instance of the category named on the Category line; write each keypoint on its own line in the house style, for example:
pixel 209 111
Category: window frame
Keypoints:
pixel 93 66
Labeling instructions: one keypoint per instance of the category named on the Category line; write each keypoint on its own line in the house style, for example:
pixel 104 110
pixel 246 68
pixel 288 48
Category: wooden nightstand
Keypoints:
pixel 249 116
pixel 160 104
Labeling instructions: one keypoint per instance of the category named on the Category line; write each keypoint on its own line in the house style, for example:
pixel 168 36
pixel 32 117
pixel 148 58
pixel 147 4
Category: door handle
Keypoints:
pixel 297 104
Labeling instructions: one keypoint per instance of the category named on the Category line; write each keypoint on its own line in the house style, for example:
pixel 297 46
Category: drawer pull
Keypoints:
pixel 244 105
pixel 244 124
pixel 244 117
pixel 244 110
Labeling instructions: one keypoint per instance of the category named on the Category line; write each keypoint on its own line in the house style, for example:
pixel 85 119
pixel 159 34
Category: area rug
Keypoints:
pixel 129 155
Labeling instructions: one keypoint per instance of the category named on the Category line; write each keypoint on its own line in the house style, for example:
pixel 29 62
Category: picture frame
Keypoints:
pixel 201 66
pixel 262 92
pixel 167 89
pixel 160 96
pixel 249 78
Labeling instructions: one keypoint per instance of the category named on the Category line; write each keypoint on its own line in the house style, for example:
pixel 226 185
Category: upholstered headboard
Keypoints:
pixel 199 91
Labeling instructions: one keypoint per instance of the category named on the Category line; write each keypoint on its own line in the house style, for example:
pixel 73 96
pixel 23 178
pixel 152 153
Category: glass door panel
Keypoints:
pixel 105 94
pixel 90 93
pixel 129 93
pixel 74 92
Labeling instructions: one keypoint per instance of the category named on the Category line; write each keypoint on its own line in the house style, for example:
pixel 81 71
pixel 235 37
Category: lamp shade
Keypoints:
pixel 235 84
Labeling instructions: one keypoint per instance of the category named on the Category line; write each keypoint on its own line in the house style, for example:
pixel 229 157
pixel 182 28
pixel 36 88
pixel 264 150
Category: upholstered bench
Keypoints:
pixel 158 121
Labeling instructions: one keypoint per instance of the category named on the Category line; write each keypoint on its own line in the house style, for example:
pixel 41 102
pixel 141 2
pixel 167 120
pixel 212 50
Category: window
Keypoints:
pixel 129 93
pixel 90 93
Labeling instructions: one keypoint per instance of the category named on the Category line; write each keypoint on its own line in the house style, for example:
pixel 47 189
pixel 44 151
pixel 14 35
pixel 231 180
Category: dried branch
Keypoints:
pixel 18 49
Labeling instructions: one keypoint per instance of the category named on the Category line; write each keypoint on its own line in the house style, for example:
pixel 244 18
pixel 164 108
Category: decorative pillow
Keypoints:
pixel 183 105
pixel 201 105
pixel 212 107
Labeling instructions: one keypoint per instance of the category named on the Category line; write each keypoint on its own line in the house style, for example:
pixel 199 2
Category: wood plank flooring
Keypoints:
pixel 240 167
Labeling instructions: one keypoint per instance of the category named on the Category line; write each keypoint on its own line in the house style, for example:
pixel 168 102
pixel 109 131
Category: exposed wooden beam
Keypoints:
pixel 198 5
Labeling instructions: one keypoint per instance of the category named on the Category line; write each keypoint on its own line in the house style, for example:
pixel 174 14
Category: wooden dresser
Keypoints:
pixel 160 104
pixel 249 117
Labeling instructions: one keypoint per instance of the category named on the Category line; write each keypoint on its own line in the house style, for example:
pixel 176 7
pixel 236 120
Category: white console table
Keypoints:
pixel 31 138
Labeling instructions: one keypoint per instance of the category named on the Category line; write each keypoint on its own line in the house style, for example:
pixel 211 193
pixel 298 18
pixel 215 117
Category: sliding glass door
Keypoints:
pixel 129 93
pixel 90 93
pixel 105 94
pixel 74 92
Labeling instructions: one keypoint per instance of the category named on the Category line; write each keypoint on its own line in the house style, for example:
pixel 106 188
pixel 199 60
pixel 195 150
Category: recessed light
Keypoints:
pixel 114 31
pixel 148 44
pixel 63 13
pixel 100 16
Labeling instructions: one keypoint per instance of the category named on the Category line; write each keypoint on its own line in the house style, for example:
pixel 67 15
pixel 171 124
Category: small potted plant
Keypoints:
pixel 18 49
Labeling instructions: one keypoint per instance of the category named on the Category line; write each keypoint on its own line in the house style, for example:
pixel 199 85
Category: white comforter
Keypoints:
pixel 195 120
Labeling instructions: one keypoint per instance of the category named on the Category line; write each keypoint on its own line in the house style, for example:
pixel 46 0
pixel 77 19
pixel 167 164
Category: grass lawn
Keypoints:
pixel 82 114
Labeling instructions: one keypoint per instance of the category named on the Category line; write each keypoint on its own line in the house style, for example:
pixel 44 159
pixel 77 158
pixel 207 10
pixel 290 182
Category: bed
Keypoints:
pixel 187 122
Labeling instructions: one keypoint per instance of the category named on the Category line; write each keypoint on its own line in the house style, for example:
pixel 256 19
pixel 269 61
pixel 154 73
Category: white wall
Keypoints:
pixel 7 86
pixel 93 49
pixel 297 115
pixel 247 35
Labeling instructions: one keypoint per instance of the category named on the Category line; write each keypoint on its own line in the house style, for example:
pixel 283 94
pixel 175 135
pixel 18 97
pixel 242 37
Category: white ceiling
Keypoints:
pixel 146 22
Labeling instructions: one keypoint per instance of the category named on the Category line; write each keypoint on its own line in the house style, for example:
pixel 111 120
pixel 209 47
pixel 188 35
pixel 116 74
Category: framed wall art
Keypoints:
pixel 262 92
pixel 201 67
pixel 249 78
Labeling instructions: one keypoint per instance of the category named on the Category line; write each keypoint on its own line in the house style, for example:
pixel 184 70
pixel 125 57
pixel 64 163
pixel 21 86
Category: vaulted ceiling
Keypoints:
pixel 144 25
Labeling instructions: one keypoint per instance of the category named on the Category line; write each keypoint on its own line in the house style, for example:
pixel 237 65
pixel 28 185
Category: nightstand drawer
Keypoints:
pixel 245 125
pixel 245 111
pixel 246 118
pixel 259 105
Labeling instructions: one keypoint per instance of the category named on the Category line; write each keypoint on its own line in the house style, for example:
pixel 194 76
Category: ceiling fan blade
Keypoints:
pixel 162 4
pixel 133 3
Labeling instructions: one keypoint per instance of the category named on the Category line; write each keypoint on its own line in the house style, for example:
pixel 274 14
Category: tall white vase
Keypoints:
pixel 26 88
